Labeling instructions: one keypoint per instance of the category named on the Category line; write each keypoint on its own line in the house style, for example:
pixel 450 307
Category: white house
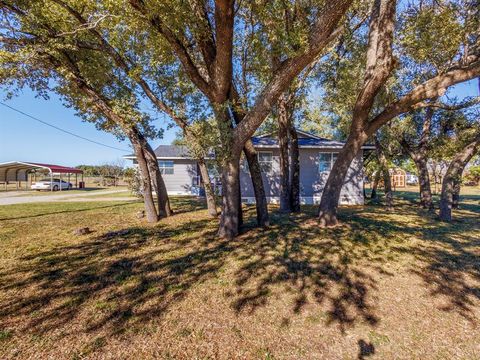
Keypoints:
pixel 316 156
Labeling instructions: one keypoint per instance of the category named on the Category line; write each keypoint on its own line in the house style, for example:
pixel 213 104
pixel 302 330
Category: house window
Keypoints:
pixel 265 160
pixel 326 161
pixel 196 181
pixel 166 167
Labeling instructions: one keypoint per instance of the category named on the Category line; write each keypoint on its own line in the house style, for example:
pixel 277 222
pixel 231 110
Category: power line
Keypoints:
pixel 62 130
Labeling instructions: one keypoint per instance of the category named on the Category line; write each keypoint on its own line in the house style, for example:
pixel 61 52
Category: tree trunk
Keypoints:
pixel 294 170
pixel 446 199
pixel 376 180
pixel 420 160
pixel 240 209
pixel 259 190
pixel 331 193
pixel 229 218
pixel 426 200
pixel 449 185
pixel 419 155
pixel 453 177
pixel 387 181
pixel 160 189
pixel 283 140
pixel 146 181
pixel 209 194
pixel 388 189
pixel 456 194
pixel 379 64
pixel 256 176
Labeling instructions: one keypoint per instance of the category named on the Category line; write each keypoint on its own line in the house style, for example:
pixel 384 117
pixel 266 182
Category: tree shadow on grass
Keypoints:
pixel 447 259
pixel 116 281
pixel 452 268
pixel 337 267
pixel 312 264
pixel 120 281
pixel 74 209
pixel 450 257
pixel 333 267
pixel 365 349
pixel 183 204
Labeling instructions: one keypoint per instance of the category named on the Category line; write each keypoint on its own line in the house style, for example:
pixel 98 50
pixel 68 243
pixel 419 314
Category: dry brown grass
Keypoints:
pixel 381 286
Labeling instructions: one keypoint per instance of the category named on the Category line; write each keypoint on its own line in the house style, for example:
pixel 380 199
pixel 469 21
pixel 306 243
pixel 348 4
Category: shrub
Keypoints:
pixel 133 180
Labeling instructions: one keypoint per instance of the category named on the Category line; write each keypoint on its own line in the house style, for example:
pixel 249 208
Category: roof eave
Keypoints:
pixel 133 157
pixel 301 132
pixel 301 146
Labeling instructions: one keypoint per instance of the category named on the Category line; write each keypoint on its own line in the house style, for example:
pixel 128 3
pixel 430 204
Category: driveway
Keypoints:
pixel 21 197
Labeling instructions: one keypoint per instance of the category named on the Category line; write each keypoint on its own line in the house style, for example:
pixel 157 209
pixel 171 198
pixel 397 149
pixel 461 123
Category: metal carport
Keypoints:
pixel 17 171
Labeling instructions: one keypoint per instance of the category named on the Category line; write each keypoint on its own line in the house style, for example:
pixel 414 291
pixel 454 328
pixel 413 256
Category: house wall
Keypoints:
pixel 312 181
pixel 271 180
pixel 181 181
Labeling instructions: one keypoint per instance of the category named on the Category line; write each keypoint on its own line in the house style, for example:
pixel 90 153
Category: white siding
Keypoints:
pixel 180 182
pixel 312 181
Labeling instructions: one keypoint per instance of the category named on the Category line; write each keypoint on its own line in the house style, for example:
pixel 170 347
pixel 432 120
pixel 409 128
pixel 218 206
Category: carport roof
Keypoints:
pixel 21 165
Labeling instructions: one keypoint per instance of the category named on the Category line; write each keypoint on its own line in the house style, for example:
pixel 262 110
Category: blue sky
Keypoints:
pixel 24 139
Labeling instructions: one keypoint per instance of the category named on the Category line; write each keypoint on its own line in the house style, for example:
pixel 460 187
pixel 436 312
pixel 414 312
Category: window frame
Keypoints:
pixel 163 168
pixel 332 158
pixel 266 166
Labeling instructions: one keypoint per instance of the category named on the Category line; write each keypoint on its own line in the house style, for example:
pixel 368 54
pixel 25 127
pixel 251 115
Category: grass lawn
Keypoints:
pixel 382 286
pixel 91 190
pixel 120 194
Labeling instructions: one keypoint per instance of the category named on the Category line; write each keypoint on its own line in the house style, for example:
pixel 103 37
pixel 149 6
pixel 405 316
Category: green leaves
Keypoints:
pixel 432 34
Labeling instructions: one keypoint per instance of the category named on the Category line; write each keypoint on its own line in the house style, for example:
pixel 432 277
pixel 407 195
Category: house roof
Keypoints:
pixel 172 151
pixel 305 140
pixel 302 143
pixel 300 134
pixel 168 152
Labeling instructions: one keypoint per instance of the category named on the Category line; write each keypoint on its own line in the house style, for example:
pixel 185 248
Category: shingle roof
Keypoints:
pixel 168 151
pixel 302 142
pixel 172 151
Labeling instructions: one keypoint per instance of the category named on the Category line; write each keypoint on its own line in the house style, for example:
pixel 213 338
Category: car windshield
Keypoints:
pixel 48 180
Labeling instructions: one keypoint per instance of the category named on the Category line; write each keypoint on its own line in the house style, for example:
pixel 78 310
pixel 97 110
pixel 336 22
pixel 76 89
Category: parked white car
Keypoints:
pixel 47 184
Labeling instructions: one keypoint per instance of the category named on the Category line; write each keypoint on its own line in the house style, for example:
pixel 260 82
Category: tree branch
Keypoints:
pixel 431 88
pixel 87 26
pixel 380 61
pixel 324 28
pixel 205 39
pixel 222 68
pixel 450 107
pixel 177 46
pixel 124 65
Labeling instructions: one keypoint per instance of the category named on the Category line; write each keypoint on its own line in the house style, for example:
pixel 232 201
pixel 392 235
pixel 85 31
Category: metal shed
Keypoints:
pixel 17 171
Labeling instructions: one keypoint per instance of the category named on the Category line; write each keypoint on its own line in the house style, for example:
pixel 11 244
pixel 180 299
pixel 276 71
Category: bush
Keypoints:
pixel 133 180
pixel 472 176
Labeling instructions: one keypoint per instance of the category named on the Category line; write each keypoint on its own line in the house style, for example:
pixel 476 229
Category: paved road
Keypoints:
pixel 20 197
